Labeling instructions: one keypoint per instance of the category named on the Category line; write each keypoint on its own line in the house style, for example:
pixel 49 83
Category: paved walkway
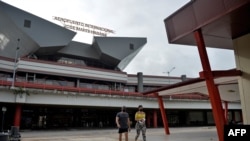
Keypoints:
pixel 153 134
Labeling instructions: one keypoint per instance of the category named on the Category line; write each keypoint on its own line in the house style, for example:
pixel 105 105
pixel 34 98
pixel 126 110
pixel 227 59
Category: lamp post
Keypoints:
pixel 14 68
pixel 4 109
pixel 170 70
pixel 169 73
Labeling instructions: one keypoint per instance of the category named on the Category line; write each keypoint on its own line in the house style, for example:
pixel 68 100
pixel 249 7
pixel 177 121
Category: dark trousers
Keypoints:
pixel 140 128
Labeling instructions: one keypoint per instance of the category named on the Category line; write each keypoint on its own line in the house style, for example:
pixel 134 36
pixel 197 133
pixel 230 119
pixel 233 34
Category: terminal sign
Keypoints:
pixel 84 27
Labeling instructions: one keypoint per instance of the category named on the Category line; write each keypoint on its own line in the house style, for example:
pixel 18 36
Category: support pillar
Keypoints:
pixel 163 113
pixel 140 82
pixel 78 83
pixel 148 120
pixel 242 58
pixel 17 118
pixel 155 119
pixel 214 95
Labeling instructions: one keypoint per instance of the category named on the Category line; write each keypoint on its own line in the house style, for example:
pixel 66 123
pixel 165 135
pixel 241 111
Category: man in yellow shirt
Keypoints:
pixel 140 126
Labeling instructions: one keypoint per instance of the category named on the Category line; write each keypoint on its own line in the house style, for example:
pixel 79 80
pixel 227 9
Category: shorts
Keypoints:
pixel 122 130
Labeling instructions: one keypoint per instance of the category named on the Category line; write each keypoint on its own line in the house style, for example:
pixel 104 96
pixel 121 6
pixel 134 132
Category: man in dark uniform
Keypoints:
pixel 123 123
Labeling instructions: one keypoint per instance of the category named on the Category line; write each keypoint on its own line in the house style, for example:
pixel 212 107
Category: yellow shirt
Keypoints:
pixel 140 116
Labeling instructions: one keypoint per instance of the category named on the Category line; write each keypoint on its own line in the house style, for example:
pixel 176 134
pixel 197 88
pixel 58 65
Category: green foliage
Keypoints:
pixel 20 91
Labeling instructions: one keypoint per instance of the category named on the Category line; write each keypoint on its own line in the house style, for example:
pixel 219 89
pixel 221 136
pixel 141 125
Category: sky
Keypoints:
pixel 133 18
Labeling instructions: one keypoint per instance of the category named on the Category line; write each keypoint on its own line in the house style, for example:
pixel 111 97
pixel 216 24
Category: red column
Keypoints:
pixel 163 114
pixel 17 118
pixel 214 95
pixel 148 120
pixel 155 119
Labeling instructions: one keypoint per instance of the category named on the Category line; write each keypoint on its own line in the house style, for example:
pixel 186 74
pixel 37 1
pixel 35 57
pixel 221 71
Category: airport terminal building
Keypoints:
pixel 49 81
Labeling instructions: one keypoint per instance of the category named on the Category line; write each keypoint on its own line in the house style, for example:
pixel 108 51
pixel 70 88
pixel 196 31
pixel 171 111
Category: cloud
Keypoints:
pixel 133 18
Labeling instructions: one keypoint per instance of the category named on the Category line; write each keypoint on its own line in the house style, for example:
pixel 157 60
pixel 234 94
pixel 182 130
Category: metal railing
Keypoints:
pixel 70 89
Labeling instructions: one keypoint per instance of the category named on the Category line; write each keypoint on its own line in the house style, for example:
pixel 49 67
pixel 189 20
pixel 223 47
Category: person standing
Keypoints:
pixel 140 125
pixel 123 123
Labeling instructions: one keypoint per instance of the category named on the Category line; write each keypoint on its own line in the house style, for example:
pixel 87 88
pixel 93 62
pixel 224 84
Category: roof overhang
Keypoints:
pixel 220 21
pixel 226 81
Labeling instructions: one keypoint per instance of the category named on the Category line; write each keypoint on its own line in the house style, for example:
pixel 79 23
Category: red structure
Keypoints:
pixel 212 89
pixel 208 28
pixel 163 114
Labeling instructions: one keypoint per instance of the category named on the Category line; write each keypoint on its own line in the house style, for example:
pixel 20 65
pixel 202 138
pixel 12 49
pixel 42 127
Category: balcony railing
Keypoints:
pixel 191 96
pixel 70 89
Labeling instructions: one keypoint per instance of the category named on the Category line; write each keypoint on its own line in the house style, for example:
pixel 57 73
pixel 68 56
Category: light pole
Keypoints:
pixel 14 68
pixel 170 70
pixel 169 73
pixel 4 109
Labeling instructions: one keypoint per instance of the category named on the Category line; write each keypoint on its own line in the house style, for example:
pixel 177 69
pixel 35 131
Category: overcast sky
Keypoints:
pixel 133 18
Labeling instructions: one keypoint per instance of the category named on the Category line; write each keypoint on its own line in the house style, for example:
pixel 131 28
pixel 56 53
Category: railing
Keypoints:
pixel 191 96
pixel 70 89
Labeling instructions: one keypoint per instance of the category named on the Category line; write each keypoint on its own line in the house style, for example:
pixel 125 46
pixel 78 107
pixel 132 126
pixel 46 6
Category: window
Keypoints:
pixel 131 46
pixel 27 23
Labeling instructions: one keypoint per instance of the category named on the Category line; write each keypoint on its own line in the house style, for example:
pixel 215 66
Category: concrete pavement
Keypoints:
pixel 153 134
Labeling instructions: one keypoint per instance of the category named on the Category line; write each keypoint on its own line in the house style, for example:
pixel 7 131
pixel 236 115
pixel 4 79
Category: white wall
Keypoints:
pixel 50 97
pixel 242 57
